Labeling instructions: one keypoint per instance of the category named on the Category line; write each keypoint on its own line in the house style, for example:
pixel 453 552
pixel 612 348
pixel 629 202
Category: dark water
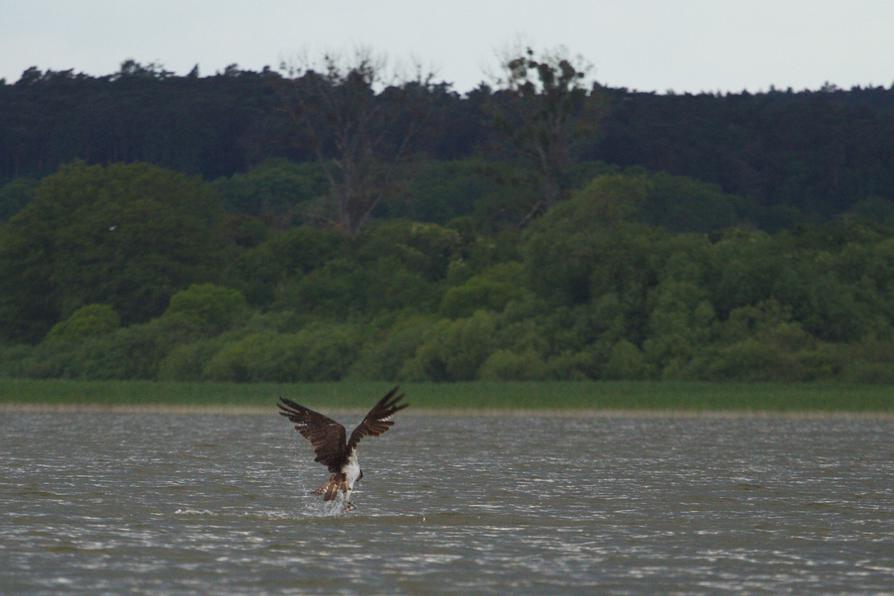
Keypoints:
pixel 102 502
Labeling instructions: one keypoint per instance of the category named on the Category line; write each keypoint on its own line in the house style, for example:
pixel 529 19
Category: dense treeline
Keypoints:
pixel 819 151
pixel 134 271
pixel 255 226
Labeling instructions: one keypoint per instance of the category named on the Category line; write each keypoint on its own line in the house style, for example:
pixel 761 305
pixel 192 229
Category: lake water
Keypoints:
pixel 112 502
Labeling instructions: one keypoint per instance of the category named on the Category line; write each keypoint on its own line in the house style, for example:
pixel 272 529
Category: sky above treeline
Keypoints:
pixel 648 45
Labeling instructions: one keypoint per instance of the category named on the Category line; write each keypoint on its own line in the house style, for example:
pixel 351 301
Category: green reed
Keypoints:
pixel 676 396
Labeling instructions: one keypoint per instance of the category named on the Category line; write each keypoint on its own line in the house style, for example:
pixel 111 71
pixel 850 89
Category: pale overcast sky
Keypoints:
pixel 684 45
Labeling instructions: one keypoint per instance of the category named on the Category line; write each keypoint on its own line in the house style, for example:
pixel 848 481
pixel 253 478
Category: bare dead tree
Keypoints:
pixel 361 124
pixel 542 106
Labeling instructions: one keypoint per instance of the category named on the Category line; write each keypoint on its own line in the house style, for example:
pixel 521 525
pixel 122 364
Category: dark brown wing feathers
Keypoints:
pixel 328 436
pixel 325 435
pixel 379 418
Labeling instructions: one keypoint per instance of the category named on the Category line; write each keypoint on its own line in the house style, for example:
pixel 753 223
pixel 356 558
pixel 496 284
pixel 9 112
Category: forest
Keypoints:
pixel 329 222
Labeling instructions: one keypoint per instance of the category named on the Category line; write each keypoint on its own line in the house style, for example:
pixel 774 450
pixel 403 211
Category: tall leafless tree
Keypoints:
pixel 361 124
pixel 542 106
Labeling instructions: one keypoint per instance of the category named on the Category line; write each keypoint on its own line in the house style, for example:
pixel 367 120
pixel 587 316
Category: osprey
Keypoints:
pixel 328 440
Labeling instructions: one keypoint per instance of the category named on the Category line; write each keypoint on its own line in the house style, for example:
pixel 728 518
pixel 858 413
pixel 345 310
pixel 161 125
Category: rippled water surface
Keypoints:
pixel 196 503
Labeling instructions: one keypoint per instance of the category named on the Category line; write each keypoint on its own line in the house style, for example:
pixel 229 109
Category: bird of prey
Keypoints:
pixel 328 440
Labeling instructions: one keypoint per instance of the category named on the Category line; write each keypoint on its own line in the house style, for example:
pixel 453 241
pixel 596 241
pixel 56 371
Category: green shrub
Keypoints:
pixel 211 309
pixel 825 361
pixel 251 358
pixel 749 360
pixel 426 249
pixel 317 353
pixel 291 254
pixel 869 372
pixel 328 351
pixel 338 289
pixel 574 366
pixel 625 361
pixel 130 353
pixel 453 350
pixel 88 321
pixel 492 290
pixel 505 365
pixel 389 286
pixel 384 355
pixel 35 362
pixel 187 362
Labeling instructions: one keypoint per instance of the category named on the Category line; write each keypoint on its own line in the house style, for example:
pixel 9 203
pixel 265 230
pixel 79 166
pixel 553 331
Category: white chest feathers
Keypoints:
pixel 352 469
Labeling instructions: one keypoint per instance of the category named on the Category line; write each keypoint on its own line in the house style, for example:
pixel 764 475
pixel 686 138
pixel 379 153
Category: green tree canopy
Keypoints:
pixel 274 190
pixel 124 235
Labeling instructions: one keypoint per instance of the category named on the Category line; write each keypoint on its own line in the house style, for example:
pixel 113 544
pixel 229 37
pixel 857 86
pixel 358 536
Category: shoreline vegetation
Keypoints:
pixel 474 398
pixel 315 224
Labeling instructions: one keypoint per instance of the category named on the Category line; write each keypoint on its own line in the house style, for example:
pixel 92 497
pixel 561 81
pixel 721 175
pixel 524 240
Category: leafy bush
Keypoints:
pixel 492 290
pixel 680 323
pixel 869 372
pixel 187 362
pixel 453 350
pixel 625 361
pixel 210 308
pixel 384 355
pixel 291 254
pixel 424 248
pixel 748 360
pixel 88 321
pixel 505 365
pixel 575 366
pixel 317 353
pixel 392 287
pixel 338 289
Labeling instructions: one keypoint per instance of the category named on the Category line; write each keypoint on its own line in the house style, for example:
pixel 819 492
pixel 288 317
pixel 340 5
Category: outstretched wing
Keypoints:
pixel 326 435
pixel 379 418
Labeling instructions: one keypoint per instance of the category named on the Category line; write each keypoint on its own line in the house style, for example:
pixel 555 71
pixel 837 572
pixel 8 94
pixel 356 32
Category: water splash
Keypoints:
pixel 333 508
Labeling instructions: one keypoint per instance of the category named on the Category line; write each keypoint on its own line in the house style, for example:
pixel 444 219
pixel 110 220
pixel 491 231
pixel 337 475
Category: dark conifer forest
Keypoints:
pixel 326 224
